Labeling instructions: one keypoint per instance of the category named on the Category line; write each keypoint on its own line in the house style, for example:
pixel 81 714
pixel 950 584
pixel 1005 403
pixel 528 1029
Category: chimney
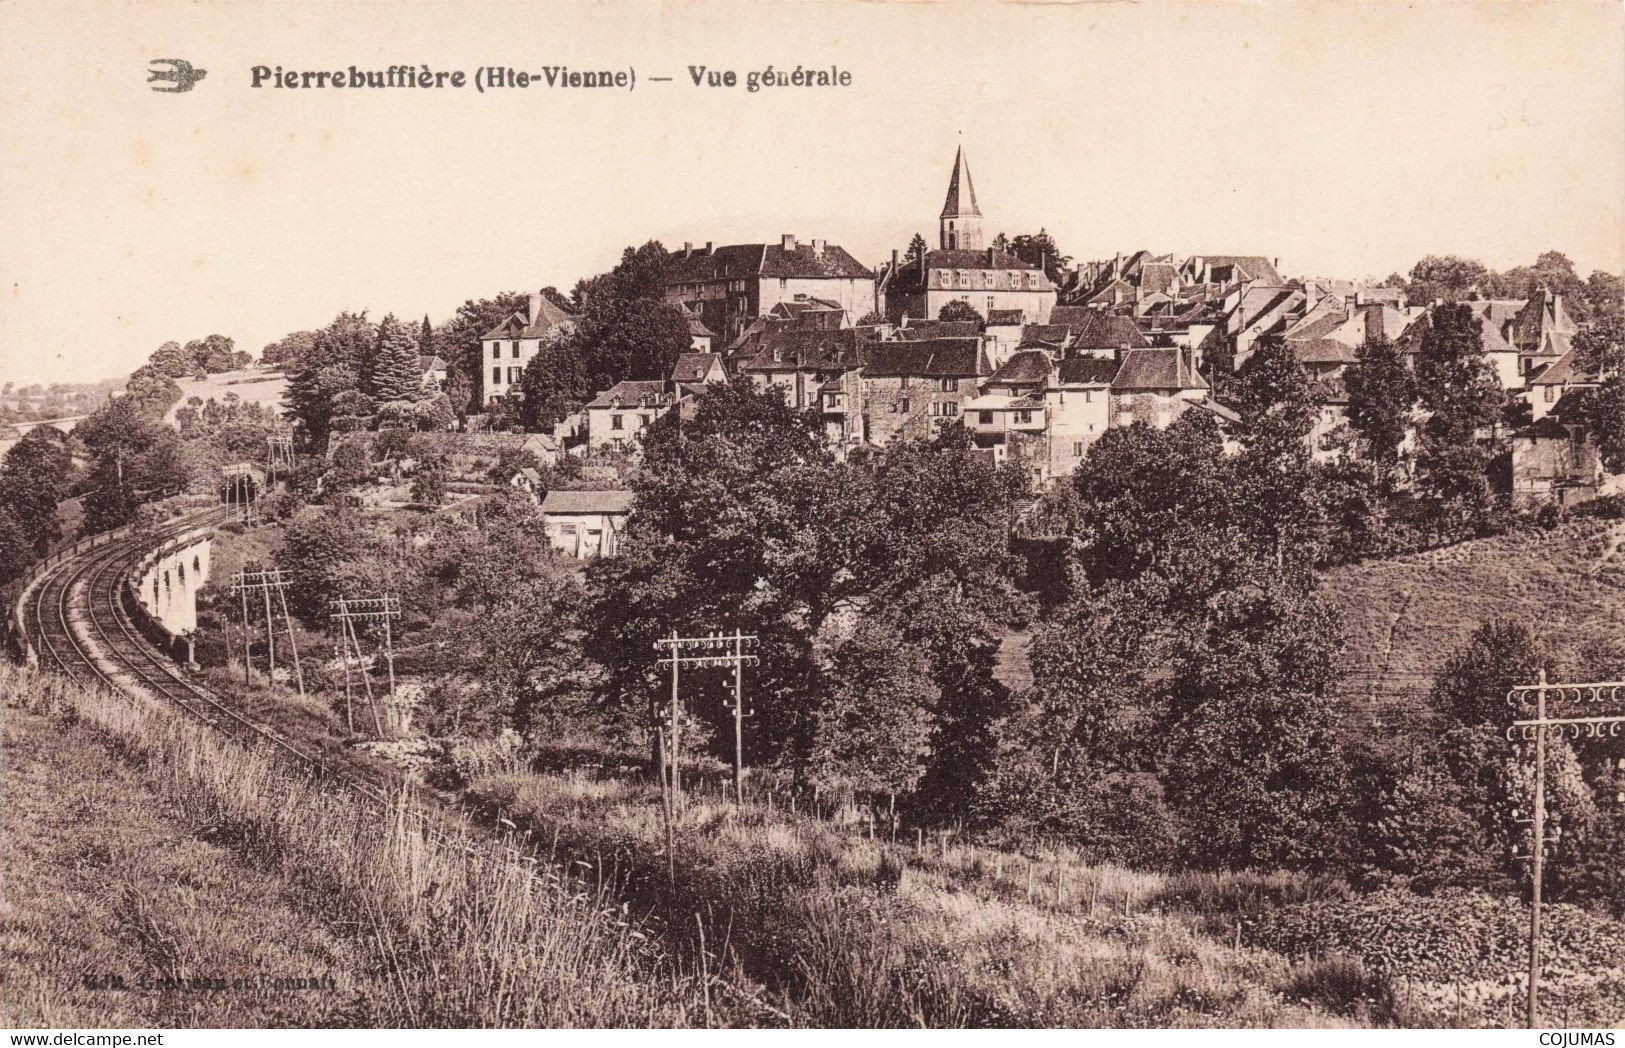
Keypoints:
pixel 788 242
pixel 708 247
pixel 1117 266
pixel 535 307
pixel 818 248
pixel 894 261
pixel 1276 263
pixel 688 248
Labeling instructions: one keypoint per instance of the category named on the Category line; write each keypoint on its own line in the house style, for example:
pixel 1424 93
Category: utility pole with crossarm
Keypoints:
pixel 1574 698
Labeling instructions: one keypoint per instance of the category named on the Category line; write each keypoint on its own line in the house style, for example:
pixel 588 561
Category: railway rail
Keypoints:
pixel 74 618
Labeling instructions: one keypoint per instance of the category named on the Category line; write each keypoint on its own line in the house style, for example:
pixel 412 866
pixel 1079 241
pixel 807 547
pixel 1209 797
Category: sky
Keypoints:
pixel 1346 139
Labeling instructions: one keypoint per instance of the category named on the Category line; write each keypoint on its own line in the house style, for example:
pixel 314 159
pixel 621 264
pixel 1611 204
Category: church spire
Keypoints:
pixel 960 224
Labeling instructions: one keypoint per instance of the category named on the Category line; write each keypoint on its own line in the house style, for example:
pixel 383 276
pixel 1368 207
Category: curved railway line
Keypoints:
pixel 73 614
pixel 75 617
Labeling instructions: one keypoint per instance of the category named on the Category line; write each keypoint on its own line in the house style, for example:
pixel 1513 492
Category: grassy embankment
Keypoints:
pixel 1402 618
pixel 141 845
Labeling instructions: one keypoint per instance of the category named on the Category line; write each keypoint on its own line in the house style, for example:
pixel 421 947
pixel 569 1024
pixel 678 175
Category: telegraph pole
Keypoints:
pixel 264 582
pixel 346 611
pixel 718 651
pixel 1535 729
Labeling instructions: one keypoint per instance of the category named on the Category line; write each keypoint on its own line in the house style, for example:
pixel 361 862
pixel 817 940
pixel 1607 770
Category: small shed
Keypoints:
pixel 586 524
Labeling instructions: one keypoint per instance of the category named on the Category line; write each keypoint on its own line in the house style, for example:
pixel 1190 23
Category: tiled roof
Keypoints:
pixel 1028 367
pixel 1110 332
pixel 693 367
pixel 1322 351
pixel 1245 267
pixel 918 329
pixel 929 358
pixel 1566 370
pixel 1054 334
pixel 767 260
pixel 1158 276
pixel 798 349
pixel 1005 317
pixel 1072 316
pixel 518 325
pixel 613 501
pixel 631 394
pixel 1148 369
pixel 1090 371
pixel 430 362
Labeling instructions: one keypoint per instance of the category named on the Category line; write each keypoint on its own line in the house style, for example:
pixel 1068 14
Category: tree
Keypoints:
pixel 1382 402
pixel 330 366
pixel 1605 298
pixel 1040 249
pixel 1001 243
pixel 554 383
pixel 1459 389
pixel 395 370
pixel 134 459
pixel 1445 277
pixel 429 479
pixel 959 311
pixel 917 249
pixel 1601 351
pixel 1274 486
pixel 874 316
pixel 626 330
pixel 873 727
pixel 33 478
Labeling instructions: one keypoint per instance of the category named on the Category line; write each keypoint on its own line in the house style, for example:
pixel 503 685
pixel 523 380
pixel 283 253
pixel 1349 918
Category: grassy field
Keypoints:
pixel 251 385
pixel 1402 618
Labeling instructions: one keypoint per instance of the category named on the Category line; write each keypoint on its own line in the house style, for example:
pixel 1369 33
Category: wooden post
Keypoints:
pixel 366 679
pixel 389 654
pixel 298 671
pixel 739 720
pixel 248 638
pixel 270 629
pixel 1537 854
pixel 676 741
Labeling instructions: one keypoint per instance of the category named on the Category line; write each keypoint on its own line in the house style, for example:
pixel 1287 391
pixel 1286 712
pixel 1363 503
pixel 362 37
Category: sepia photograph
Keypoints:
pixel 668 515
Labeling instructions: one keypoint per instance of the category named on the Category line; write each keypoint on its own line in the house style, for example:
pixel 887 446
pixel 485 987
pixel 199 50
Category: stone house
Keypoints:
pixel 729 286
pixel 512 344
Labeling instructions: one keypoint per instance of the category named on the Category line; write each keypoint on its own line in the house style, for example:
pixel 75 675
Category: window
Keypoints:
pixel 496 350
pixel 945 409
pixel 1024 418
pixel 984 418
pixel 949 385
pixel 904 406
pixel 516 350
pixel 615 422
pixel 513 375
pixel 1077 449
pixel 1551 394
pixel 567 530
pixel 496 376
pixel 990 303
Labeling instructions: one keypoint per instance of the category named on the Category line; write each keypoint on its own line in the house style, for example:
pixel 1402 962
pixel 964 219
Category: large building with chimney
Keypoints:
pixel 509 346
pixel 962 270
pixel 729 286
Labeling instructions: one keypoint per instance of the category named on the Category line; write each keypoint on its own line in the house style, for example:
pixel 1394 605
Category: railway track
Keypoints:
pixel 75 617
pixel 77 620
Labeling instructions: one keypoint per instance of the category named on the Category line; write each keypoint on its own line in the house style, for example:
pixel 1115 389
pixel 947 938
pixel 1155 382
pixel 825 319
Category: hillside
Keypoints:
pixel 251 385
pixel 1402 618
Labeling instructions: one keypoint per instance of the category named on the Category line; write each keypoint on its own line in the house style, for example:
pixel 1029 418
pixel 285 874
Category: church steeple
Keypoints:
pixel 960 225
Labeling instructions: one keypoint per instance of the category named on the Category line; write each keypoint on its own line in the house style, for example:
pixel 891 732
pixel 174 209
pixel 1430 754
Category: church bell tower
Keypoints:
pixel 960 227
